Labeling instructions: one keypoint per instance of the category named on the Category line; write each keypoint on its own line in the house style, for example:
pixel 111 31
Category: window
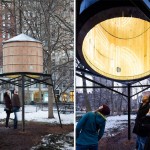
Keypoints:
pixel 8 35
pixel 64 85
pixel 53 62
pixel 3 17
pixel 28 13
pixel 4 36
pixel 44 85
pixel 9 17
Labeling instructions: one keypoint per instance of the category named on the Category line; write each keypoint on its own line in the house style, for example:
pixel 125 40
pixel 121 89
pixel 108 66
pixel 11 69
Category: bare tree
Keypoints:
pixel 51 22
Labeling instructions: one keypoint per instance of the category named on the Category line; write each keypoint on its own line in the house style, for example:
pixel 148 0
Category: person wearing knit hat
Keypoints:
pixel 104 109
pixel 90 128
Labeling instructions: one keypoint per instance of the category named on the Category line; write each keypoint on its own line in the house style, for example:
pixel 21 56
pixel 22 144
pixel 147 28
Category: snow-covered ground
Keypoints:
pixel 56 142
pixel 39 116
pixel 115 123
pixel 64 141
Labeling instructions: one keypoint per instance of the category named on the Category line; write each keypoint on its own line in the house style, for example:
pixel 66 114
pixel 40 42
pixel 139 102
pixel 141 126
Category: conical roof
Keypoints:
pixel 20 38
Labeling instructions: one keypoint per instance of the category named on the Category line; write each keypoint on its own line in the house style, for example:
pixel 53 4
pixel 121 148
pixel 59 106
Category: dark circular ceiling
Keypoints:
pixel 113 41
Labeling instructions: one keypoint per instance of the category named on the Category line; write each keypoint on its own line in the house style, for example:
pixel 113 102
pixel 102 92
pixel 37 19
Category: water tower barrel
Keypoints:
pixel 22 56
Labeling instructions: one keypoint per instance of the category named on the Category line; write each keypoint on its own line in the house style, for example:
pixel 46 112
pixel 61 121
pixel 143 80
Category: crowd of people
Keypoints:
pixel 12 105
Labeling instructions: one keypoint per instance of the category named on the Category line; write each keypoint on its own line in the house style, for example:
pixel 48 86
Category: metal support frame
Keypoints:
pixel 110 87
pixel 21 77
pixel 82 19
pixel 23 120
pixel 127 85
pixel 129 111
pixel 100 84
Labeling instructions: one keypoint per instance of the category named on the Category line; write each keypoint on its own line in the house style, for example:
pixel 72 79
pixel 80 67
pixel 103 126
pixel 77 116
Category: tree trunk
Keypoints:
pixel 50 90
pixel 112 102
pixel 120 107
pixel 28 100
pixel 87 103
pixel 50 102
pixel 40 94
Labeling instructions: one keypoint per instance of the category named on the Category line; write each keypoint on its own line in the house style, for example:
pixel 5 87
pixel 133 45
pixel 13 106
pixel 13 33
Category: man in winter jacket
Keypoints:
pixel 138 129
pixel 16 106
pixel 90 129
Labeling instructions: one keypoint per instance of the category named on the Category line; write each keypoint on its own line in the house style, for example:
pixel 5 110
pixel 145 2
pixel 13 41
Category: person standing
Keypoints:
pixel 145 123
pixel 138 129
pixel 16 107
pixel 90 128
pixel 8 107
pixel 146 126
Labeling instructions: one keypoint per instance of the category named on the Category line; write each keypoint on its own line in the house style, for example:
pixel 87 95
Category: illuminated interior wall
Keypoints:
pixel 119 48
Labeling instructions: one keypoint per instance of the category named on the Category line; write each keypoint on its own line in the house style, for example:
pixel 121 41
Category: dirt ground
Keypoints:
pixel 11 139
pixel 15 139
pixel 118 142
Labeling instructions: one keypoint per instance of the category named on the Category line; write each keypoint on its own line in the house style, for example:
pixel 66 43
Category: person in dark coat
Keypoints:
pixel 8 107
pixel 146 127
pixel 138 129
pixel 16 107
pixel 90 129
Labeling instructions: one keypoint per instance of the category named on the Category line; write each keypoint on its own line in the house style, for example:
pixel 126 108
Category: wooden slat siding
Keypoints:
pixel 22 57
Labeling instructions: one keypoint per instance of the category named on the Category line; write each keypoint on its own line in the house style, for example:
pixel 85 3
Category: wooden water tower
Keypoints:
pixel 22 54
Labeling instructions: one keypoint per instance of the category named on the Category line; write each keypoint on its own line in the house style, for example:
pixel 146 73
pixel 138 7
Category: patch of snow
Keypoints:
pixel 116 121
pixel 22 37
pixel 67 147
pixel 71 134
pixel 56 142
pixel 60 142
pixel 38 116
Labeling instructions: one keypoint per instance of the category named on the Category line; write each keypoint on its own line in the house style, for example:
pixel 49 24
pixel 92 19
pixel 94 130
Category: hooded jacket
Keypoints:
pixel 90 128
